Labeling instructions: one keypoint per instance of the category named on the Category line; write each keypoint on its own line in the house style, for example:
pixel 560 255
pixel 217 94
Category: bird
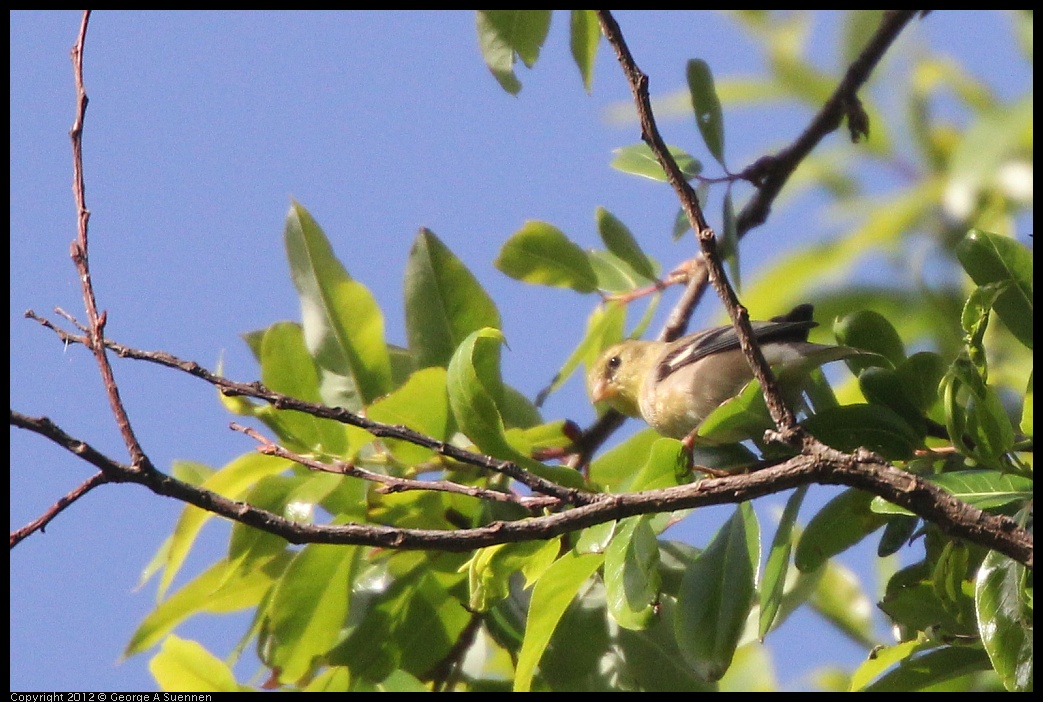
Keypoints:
pixel 675 385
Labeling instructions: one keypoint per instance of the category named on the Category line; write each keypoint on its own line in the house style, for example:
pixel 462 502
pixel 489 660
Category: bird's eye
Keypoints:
pixel 613 363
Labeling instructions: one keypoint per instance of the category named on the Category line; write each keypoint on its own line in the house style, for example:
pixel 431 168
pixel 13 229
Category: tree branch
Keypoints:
pixel 780 413
pixel 817 464
pixel 770 173
pixel 338 414
pixel 861 470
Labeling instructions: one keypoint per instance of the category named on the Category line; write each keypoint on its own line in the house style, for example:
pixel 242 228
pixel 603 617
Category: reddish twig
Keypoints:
pixel 391 483
pixel 78 252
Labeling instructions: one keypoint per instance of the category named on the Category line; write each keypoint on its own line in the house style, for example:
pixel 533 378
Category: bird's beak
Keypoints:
pixel 600 390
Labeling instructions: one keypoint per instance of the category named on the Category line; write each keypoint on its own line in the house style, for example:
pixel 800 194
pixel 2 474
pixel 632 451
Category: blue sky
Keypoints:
pixel 202 127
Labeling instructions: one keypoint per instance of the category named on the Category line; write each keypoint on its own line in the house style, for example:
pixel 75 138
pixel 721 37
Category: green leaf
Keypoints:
pixel 974 410
pixel 550 597
pixel 913 603
pixel 475 388
pixel 899 530
pixel 920 375
pixel 870 331
pixel 574 657
pixel 518 411
pixel 503 34
pixel 540 253
pixel 489 571
pixel 444 302
pixel 422 405
pixel 411 624
pixel 716 595
pixel 343 324
pixel 665 466
pixel 985 489
pixel 185 666
pixel 927 672
pixel 886 388
pixel 652 660
pixel 223 587
pixel 615 469
pixel 614 274
pixel 475 396
pixel 730 241
pixel 1004 611
pixel 989 426
pixel 975 321
pixel 231 481
pixel 287 367
pixel 621 242
pixel 919 673
pixel 991 258
pixel 874 427
pixel 640 161
pixel 910 389
pixel 293 497
pixel 309 606
pixel 707 107
pixel 632 576
pixel 584 36
pixel 840 524
pixel 777 567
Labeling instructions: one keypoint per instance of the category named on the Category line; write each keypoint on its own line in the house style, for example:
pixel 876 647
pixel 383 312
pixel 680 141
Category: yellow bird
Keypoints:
pixel 675 385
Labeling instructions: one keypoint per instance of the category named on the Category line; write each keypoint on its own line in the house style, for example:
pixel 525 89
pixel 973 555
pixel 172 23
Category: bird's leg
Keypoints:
pixel 687 445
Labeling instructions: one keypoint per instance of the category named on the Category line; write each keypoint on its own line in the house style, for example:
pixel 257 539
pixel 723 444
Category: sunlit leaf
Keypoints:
pixel 621 242
pixel 550 597
pixel 221 588
pixel 540 253
pixel 343 324
pixel 504 34
pixel 444 301
pixel 777 567
pixel 422 405
pixel 584 35
pixel 185 666
pixel 640 161
pixel 632 576
pixel 231 481
pixel 309 606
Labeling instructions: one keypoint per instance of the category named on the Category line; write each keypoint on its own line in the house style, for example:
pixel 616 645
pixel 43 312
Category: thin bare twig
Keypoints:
pixel 770 174
pixel 109 471
pixel 393 483
pixel 78 252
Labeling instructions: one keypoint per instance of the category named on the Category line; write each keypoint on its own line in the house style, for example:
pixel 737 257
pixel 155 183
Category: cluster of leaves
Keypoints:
pixel 619 606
